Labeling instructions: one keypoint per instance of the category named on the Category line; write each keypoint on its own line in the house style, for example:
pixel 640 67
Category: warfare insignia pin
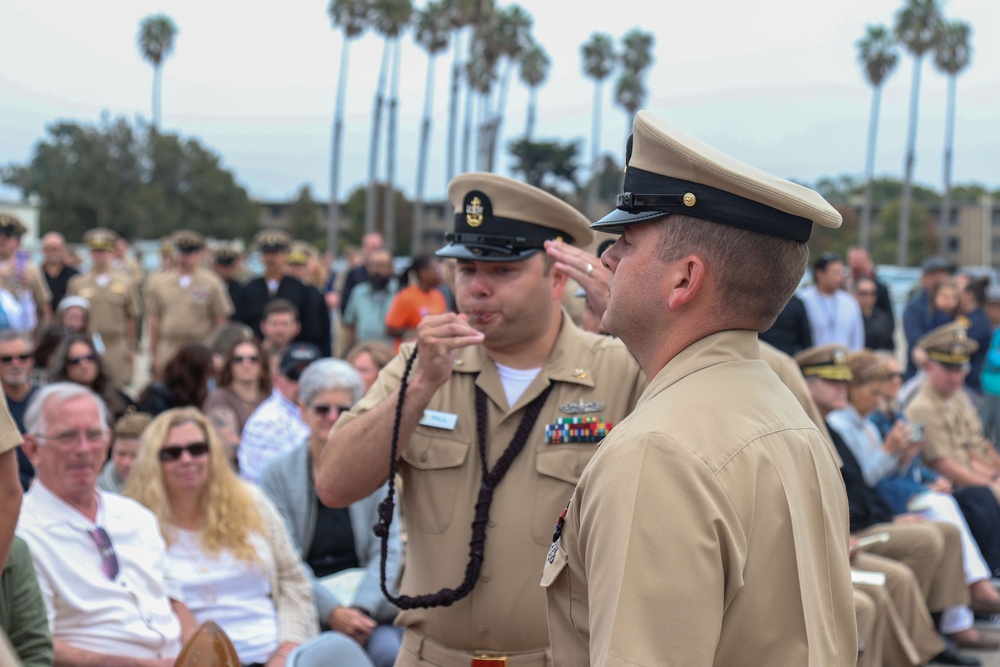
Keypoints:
pixel 961 336
pixel 581 407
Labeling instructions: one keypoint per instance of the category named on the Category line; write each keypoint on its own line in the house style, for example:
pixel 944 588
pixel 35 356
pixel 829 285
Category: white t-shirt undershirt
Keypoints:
pixel 515 381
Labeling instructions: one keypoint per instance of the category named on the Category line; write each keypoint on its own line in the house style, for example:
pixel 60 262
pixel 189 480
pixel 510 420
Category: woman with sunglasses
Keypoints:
pixel 244 382
pixel 77 361
pixel 337 543
pixel 228 550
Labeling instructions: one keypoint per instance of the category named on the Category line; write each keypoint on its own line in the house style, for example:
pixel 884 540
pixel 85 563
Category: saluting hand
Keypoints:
pixel 439 337
pixel 585 269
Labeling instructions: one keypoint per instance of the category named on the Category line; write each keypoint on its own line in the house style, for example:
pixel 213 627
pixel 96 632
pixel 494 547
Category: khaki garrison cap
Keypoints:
pixel 100 238
pixel 188 241
pixel 825 361
pixel 498 219
pixel 272 240
pixel 10 223
pixel 948 344
pixel 668 171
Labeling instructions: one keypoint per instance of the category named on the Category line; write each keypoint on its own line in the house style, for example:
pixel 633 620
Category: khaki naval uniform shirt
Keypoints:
pixel 112 306
pixel 27 277
pixel 441 473
pixel 711 528
pixel 952 427
pixel 186 314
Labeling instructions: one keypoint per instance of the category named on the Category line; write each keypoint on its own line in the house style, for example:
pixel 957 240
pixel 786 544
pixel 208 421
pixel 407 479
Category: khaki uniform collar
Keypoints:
pixel 717 348
pixel 571 360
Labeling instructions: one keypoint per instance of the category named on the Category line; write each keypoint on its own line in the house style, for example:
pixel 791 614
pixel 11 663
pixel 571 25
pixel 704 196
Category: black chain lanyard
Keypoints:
pixel 490 480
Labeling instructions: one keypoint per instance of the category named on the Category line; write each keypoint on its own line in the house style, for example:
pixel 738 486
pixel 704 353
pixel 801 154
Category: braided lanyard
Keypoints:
pixel 490 480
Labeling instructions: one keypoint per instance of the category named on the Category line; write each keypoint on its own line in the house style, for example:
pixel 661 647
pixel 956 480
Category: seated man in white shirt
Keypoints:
pixel 100 558
pixel 276 425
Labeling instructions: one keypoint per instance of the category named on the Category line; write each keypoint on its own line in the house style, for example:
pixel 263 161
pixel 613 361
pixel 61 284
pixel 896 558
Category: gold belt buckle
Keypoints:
pixel 484 660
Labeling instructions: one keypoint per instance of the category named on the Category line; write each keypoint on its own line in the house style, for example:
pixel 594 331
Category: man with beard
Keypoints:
pixel 364 317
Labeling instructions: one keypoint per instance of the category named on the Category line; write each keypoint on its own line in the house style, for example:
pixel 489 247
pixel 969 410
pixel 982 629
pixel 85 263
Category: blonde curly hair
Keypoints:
pixel 229 508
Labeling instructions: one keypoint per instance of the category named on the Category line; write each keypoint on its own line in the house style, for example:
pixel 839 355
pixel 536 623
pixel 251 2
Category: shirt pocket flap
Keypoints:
pixel 564 462
pixel 427 451
pixel 554 565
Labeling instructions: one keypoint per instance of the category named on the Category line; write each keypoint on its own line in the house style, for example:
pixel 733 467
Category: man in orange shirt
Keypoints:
pixel 412 303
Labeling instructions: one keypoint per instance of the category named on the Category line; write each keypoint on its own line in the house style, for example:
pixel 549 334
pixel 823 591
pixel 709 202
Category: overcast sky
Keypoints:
pixel 775 83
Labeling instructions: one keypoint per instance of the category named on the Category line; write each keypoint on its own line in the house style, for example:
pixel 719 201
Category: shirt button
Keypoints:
pixel 423 457
pixel 484 632
pixel 485 579
pixel 491 523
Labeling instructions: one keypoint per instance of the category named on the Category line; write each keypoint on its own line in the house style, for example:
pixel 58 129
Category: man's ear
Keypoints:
pixel 30 447
pixel 685 280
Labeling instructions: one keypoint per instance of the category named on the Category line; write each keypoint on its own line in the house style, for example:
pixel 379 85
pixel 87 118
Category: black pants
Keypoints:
pixel 982 513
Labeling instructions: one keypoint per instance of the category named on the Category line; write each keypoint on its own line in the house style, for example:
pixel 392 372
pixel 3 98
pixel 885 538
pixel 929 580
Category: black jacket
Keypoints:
pixel 313 313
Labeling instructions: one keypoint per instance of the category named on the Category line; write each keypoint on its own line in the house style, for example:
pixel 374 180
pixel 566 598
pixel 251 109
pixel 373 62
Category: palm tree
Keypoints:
pixel 480 66
pixel 351 16
pixel 433 28
pixel 389 18
pixel 513 37
pixel 951 55
pixel 461 13
pixel 534 70
pixel 877 54
pixel 598 63
pixel 156 42
pixel 636 57
pixel 917 27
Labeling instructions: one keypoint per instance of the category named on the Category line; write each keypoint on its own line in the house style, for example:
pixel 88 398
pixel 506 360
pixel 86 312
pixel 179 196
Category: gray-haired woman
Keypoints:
pixel 332 541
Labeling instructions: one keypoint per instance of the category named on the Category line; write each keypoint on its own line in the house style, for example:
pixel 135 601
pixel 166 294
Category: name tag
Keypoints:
pixel 436 419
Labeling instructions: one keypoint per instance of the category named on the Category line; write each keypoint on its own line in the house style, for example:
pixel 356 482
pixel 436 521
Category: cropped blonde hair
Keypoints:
pixel 229 508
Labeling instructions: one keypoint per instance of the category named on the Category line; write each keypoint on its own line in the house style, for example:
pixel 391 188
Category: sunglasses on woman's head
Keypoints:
pixel 174 452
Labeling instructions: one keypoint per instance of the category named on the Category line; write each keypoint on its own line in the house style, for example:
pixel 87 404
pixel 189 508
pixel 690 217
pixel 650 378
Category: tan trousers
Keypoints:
pixel 871 622
pixel 910 637
pixel 933 551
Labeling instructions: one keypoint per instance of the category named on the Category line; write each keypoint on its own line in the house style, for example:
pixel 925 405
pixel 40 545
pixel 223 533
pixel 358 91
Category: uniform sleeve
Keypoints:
pixel 153 305
pixel 293 595
pixel 658 540
pixel 222 305
pixel 10 436
pixel 28 628
pixel 39 288
pixel 937 434
pixel 132 300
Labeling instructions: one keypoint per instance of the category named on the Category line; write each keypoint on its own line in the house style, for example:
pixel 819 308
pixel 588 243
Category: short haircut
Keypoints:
pixel 755 274
pixel 329 375
pixel 132 425
pixel 8 335
pixel 380 353
pixel 825 260
pixel 275 306
pixel 59 393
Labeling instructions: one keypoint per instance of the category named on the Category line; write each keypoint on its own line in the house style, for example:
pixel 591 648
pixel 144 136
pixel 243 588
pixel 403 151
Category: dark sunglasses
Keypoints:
pixel 195 449
pixel 324 410
pixel 109 561
pixel 75 361
pixel 6 359
pixel 250 359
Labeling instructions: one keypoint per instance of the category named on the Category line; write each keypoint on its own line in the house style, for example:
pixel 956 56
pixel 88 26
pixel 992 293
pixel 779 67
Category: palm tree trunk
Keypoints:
pixel 497 121
pixel 903 250
pixel 529 126
pixel 157 79
pixel 595 139
pixel 866 213
pixel 424 154
pixel 389 200
pixel 949 144
pixel 370 203
pixel 467 128
pixel 333 220
pixel 453 95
